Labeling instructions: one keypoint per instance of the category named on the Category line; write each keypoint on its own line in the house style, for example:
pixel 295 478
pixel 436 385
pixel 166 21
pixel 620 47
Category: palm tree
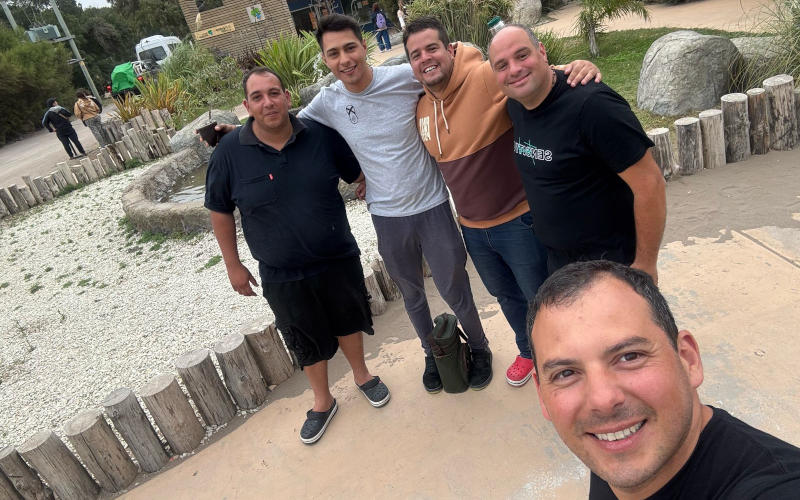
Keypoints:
pixel 595 12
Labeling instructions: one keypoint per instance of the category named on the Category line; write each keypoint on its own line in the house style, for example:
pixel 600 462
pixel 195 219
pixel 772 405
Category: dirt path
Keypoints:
pixel 730 15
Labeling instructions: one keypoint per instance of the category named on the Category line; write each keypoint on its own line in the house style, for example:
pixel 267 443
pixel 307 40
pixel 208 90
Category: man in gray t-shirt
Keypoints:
pixel 374 109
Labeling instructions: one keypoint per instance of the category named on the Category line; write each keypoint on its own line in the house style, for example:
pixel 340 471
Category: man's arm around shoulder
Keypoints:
pixel 649 211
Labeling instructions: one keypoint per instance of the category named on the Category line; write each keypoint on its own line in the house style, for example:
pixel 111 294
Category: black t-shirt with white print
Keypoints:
pixel 570 150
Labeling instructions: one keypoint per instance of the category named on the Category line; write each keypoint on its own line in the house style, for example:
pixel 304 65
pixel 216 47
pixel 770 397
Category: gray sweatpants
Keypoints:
pixel 402 241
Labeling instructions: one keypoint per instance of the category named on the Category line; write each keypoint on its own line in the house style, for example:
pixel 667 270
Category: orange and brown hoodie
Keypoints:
pixel 468 132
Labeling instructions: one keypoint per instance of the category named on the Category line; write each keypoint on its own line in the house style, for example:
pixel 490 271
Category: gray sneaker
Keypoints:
pixel 316 423
pixel 376 392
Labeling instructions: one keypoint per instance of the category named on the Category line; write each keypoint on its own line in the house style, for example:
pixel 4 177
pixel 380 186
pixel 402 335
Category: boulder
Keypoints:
pixel 396 60
pixel 761 56
pixel 186 138
pixel 527 12
pixel 685 71
pixel 308 93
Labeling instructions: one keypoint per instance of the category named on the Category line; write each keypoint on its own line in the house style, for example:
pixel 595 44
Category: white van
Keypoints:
pixel 156 48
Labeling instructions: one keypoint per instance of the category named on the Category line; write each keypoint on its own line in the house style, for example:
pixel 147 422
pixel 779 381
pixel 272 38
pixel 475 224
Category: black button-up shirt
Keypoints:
pixel 293 216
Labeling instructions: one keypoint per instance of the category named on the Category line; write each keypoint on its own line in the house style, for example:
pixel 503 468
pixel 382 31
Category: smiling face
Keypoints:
pixel 520 67
pixel 346 56
pixel 430 60
pixel 267 103
pixel 619 395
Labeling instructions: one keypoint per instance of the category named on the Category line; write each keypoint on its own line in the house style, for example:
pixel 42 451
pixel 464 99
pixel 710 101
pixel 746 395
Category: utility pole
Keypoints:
pixel 68 37
pixel 8 15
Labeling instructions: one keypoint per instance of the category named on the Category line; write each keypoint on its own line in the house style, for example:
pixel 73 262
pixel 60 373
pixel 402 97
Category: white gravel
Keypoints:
pixel 109 311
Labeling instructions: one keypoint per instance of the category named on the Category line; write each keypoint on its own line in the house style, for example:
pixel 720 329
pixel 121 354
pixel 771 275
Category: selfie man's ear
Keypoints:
pixel 689 354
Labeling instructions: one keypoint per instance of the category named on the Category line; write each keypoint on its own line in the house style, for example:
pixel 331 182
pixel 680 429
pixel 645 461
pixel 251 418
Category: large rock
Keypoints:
pixel 186 137
pixel 685 71
pixel 527 12
pixel 761 58
pixel 308 93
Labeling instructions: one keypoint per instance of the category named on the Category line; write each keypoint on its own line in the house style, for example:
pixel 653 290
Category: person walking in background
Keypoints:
pixel 381 28
pixel 401 14
pixel 56 119
pixel 87 109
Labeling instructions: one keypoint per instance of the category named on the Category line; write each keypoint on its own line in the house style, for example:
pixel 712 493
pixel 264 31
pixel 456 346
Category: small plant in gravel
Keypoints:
pixel 5 284
pixel 132 163
pixel 48 269
pixel 85 282
pixel 35 288
pixel 213 261
pixel 69 189
pixel 67 284
pixel 28 276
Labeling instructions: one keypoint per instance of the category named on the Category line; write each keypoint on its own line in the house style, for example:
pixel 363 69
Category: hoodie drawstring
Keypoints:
pixel 436 124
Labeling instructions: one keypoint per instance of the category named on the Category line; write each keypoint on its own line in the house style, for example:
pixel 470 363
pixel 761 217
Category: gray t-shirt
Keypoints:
pixel 379 124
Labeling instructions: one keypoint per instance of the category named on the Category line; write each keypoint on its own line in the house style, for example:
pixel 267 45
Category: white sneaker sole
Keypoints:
pixel 518 383
pixel 377 404
pixel 317 437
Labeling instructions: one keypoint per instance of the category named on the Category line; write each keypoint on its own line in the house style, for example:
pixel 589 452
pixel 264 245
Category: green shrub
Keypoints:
pixel 30 73
pixel 158 92
pixel 558 51
pixel 293 58
pixel 465 20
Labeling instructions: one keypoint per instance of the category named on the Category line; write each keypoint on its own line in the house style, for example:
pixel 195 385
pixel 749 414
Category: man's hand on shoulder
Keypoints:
pixel 241 279
pixel 581 71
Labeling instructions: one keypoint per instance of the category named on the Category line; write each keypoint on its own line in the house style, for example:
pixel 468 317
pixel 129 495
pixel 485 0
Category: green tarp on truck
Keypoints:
pixel 123 77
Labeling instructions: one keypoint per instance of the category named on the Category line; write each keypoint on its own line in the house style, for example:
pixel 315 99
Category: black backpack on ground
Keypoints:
pixel 452 356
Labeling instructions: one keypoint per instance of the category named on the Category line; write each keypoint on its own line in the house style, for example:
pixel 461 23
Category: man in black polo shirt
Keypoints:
pixel 282 174
pixel 595 190
pixel 624 397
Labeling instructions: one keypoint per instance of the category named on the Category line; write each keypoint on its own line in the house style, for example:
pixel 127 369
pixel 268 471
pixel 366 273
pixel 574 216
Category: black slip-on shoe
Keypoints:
pixel 480 372
pixel 376 392
pixel 430 377
pixel 316 423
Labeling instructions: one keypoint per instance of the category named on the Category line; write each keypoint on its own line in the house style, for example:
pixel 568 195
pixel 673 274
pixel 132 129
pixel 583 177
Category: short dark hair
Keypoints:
pixel 336 23
pixel 50 102
pixel 80 93
pixel 422 24
pixel 566 286
pixel 259 70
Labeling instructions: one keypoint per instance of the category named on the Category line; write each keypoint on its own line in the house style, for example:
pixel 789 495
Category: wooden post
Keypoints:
pixel 131 147
pixel 116 156
pixel 713 138
pixel 737 127
pixel 88 167
pixel 4 210
pixel 50 183
pixel 157 118
pixel 32 187
pixel 26 194
pixel 8 201
pixel 103 161
pixel 172 413
pixel 67 174
pixel 167 118
pixel 129 419
pixel 22 203
pixel 662 151
pixel 162 133
pixel 387 285
pixel 377 303
pixel 269 352
pixel 25 480
pixel 7 490
pixel 140 123
pixel 208 393
pixel 100 450
pixel 98 167
pixel 241 374
pixel 782 112
pixel 44 190
pixel 758 115
pixel 58 177
pixel 148 119
pixel 79 173
pixel 124 154
pixel 690 145
pixel 62 471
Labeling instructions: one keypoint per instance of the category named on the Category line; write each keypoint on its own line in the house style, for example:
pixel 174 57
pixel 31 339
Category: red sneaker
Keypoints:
pixel 519 372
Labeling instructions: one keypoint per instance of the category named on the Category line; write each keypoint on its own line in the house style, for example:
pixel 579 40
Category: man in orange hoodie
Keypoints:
pixel 463 122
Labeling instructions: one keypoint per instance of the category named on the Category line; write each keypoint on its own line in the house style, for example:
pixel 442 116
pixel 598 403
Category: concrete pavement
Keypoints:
pixel 730 267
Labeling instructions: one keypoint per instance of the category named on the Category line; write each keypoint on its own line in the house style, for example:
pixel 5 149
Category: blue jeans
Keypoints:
pixel 383 39
pixel 512 263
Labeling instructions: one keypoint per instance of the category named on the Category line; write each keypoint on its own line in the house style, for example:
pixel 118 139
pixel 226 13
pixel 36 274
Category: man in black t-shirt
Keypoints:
pixel 282 173
pixel 624 398
pixel 593 186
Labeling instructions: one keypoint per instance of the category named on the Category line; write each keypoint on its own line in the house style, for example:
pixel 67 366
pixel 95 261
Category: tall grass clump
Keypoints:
pixel 464 20
pixel 293 58
pixel 781 51
pixel 158 92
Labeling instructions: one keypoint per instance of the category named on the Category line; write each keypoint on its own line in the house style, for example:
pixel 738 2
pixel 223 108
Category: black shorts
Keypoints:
pixel 311 313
